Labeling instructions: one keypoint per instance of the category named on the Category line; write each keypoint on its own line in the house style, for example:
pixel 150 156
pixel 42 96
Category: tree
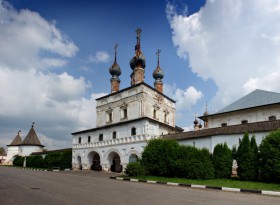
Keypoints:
pixel 222 161
pixel 255 157
pixel 158 157
pixel 194 163
pixel 270 157
pixel 2 150
pixel 135 169
pixel 66 159
pixel 18 161
pixel 53 160
pixel 245 169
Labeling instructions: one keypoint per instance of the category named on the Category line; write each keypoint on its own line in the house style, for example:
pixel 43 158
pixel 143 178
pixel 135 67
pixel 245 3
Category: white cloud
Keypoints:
pixel 99 57
pixel 185 99
pixel 235 43
pixel 29 92
pixel 25 36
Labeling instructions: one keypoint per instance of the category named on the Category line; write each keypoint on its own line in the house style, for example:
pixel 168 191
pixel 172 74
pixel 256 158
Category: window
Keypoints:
pixel 114 135
pixel 224 124
pixel 80 140
pixel 109 115
pixel 133 131
pixel 244 122
pixel 88 139
pixel 100 137
pixel 125 113
pixel 155 114
pixel 272 118
pixel 165 117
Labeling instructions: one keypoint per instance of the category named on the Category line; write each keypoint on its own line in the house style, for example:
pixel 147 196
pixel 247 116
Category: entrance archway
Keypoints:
pixel 115 162
pixel 94 160
pixel 79 160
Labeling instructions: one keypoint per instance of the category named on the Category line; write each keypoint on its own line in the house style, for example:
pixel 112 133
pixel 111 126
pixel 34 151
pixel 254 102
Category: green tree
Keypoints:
pixel 158 157
pixel 255 157
pixel 2 150
pixel 245 169
pixel 194 163
pixel 270 157
pixel 135 169
pixel 18 161
pixel 53 160
pixel 222 161
pixel 66 159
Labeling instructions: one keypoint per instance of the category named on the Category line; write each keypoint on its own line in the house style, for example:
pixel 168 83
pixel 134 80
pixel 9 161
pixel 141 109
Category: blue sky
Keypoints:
pixel 56 55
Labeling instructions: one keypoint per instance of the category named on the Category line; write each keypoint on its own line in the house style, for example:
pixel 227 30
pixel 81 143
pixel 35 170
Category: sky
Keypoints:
pixel 55 57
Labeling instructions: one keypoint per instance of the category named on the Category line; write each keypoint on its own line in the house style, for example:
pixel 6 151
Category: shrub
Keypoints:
pixel 159 157
pixel 245 169
pixel 18 161
pixel 35 161
pixel 135 169
pixel 270 157
pixel 53 160
pixel 66 159
pixel 255 158
pixel 193 163
pixel 222 161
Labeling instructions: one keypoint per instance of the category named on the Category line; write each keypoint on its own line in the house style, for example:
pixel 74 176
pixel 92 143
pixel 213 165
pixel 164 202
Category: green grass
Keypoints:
pixel 232 183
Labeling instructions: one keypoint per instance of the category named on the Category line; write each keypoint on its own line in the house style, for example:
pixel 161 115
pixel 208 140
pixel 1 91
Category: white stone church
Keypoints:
pixel 128 118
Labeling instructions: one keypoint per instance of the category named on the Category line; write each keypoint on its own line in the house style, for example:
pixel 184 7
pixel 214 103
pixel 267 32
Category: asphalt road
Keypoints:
pixel 27 187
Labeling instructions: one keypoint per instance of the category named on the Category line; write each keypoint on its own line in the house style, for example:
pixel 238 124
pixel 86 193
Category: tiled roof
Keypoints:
pixel 254 99
pixel 31 138
pixel 17 141
pixel 265 126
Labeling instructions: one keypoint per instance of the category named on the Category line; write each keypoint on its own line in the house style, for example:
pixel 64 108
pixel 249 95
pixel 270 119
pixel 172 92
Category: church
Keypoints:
pixel 127 119
pixel 19 147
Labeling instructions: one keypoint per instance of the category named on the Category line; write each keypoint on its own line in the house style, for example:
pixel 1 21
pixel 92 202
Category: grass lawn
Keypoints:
pixel 232 183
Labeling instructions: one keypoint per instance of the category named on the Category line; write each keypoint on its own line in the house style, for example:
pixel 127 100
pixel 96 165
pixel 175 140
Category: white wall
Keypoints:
pixel 26 150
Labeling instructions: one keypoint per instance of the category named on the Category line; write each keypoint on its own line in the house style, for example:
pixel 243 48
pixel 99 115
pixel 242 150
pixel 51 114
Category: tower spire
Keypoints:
pixel 115 71
pixel 138 62
pixel 158 74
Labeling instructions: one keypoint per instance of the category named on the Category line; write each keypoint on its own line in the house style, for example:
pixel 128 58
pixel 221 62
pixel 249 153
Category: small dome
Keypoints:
pixel 205 113
pixel 195 121
pixel 158 73
pixel 115 70
pixel 138 61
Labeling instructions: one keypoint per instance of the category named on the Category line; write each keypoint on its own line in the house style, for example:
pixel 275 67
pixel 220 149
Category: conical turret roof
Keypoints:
pixel 32 138
pixel 17 141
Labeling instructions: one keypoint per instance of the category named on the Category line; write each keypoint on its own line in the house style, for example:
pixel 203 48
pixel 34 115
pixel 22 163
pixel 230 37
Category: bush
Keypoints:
pixel 222 161
pixel 255 158
pixel 53 160
pixel 35 161
pixel 66 159
pixel 135 169
pixel 245 169
pixel 18 161
pixel 159 157
pixel 193 163
pixel 270 157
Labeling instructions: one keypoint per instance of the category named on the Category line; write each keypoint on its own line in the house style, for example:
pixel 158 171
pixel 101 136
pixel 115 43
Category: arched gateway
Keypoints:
pixel 115 162
pixel 94 160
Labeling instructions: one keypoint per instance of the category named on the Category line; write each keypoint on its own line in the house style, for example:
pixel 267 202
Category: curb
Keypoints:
pixel 36 169
pixel 196 186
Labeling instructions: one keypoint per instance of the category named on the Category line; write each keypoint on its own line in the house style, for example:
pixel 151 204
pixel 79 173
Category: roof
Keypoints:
pixel 264 126
pixel 257 98
pixel 133 86
pixel 31 138
pixel 178 129
pixel 51 151
pixel 254 99
pixel 17 141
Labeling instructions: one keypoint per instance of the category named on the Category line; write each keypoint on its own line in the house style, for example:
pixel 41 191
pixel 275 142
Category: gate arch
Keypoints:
pixel 94 161
pixel 115 162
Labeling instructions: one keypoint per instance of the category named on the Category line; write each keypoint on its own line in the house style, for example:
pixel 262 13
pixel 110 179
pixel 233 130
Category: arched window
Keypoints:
pixel 133 131
pixel 80 140
pixel 101 137
pixel 155 113
pixel 114 135
pixel 88 139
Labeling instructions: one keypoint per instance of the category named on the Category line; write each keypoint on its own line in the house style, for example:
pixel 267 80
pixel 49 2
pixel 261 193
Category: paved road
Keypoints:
pixel 26 187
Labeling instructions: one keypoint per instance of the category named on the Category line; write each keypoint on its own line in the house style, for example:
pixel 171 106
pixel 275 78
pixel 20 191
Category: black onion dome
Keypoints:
pixel 158 73
pixel 115 70
pixel 138 60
